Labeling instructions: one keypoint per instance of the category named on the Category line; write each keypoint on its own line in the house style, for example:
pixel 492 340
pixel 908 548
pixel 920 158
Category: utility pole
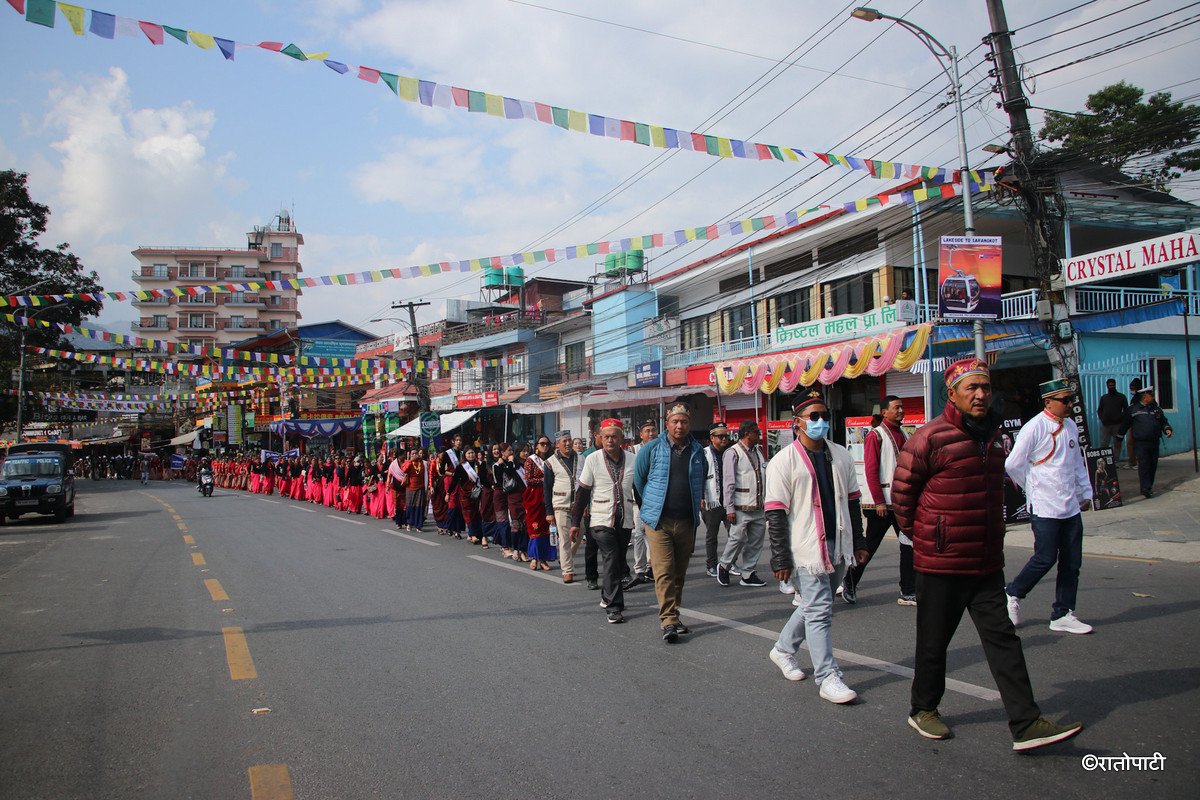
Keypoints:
pixel 1034 186
pixel 417 378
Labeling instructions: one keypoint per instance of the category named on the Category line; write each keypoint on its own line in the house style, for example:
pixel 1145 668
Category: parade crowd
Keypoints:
pixel 941 491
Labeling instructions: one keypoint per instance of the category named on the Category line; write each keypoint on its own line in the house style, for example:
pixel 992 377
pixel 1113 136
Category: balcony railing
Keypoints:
pixel 566 374
pixel 156 301
pixel 244 325
pixel 198 300
pixel 151 325
pixel 1019 305
pixel 1093 299
pixel 500 324
pixel 149 274
pixel 188 325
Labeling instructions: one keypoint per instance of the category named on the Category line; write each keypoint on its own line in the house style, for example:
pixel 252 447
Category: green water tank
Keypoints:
pixel 493 277
pixel 614 263
pixel 514 276
pixel 635 261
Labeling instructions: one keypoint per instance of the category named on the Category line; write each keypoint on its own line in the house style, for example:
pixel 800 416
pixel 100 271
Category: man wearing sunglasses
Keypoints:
pixel 1047 462
pixel 814 523
pixel 712 510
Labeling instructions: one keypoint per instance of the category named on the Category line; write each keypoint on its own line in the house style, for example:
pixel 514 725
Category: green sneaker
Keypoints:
pixel 1043 732
pixel 929 724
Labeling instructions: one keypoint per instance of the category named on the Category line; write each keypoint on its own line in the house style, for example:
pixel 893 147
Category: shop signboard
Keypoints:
pixel 969 270
pixel 701 376
pixel 647 374
pixel 1015 509
pixel 235 424
pixel 1106 485
pixel 837 329
pixel 431 426
pixel 1151 255
pixel 63 417
pixel 477 400
pixel 857 429
pixel 329 348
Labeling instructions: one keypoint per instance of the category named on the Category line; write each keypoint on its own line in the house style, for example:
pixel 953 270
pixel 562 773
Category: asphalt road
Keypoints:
pixel 399 668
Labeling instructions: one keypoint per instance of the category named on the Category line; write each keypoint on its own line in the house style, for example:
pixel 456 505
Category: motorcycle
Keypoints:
pixel 206 484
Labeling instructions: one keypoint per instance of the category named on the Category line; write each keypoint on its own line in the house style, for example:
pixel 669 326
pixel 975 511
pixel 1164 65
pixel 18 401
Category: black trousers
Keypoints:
pixel 1147 462
pixel 591 552
pixel 877 528
pixel 941 600
pixel 612 543
pixel 713 519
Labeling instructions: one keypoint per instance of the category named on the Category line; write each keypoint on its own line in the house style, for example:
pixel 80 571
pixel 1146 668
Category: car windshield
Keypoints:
pixel 29 468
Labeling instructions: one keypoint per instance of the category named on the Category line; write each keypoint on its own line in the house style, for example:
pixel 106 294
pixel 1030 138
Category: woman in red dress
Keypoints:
pixel 540 553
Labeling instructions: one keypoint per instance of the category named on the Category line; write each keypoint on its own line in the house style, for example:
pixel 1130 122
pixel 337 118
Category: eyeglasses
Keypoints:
pixel 544 442
pixel 813 416
pixel 1068 400
pixel 720 436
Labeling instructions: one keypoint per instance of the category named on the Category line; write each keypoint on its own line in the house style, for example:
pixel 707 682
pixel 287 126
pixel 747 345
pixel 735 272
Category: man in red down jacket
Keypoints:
pixel 948 495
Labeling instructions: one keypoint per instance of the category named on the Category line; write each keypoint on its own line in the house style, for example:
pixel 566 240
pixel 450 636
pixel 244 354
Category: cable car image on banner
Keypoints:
pixel 969 272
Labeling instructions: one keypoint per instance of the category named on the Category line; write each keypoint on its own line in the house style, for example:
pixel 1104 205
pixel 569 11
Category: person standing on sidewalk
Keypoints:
pixel 1111 411
pixel 1146 424
pixel 742 496
pixel 1135 389
pixel 814 520
pixel 642 571
pixel 712 508
pixel 605 496
pixel 559 488
pixel 881 448
pixel 668 478
pixel 1047 462
pixel 948 495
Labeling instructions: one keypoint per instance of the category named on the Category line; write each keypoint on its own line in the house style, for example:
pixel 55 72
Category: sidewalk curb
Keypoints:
pixel 1183 552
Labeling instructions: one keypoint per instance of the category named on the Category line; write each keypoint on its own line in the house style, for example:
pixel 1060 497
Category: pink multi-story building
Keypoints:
pixel 217 319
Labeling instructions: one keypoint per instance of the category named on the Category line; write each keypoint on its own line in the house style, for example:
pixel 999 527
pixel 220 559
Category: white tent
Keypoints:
pixel 449 420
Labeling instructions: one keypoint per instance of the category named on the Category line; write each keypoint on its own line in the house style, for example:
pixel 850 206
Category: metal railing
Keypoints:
pixel 152 326
pixel 1019 305
pixel 478 330
pixel 1093 299
pixel 566 374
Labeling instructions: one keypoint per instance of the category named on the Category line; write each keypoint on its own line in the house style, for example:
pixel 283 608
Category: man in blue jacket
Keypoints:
pixel 668 480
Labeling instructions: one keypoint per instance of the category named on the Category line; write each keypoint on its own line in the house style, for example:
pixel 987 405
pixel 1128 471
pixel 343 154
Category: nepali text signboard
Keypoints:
pixel 969 270
pixel 1150 255
pixel 836 329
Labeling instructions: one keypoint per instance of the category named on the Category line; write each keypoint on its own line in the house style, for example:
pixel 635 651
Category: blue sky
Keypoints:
pixel 132 144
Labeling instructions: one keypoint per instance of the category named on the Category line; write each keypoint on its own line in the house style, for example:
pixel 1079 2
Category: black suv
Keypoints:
pixel 40 481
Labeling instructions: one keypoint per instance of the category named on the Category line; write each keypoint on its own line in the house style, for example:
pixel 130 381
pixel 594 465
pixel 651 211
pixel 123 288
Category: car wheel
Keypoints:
pixel 71 509
pixel 60 515
pixel 3 522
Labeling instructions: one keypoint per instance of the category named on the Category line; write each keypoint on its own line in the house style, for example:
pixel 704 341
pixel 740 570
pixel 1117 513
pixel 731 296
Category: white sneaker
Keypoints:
pixel 840 589
pixel 1069 623
pixel 1014 610
pixel 833 690
pixel 735 571
pixel 797 600
pixel 786 587
pixel 787 664
pixel 604 604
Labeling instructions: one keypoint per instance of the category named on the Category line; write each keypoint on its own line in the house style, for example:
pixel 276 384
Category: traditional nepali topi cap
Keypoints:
pixel 648 424
pixel 811 398
pixel 564 434
pixel 718 430
pixel 965 368
pixel 1055 387
pixel 610 423
pixel 679 409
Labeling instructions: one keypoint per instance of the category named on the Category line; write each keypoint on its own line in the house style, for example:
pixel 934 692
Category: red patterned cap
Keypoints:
pixel 611 422
pixel 965 368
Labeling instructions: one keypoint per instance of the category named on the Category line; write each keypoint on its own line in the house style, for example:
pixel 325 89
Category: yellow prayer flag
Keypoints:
pixel 74 15
pixel 202 40
pixel 408 89
pixel 317 56
pixel 494 104
pixel 790 154
pixel 576 121
pixel 724 147
pixel 920 195
pixel 657 137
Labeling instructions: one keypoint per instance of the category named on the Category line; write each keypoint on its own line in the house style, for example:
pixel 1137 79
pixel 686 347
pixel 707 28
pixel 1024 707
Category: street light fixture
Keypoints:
pixel 950 54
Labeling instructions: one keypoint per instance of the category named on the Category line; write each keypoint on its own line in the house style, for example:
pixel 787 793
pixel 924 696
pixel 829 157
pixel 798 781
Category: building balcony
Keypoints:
pixel 151 274
pixel 1095 299
pixel 151 325
pixel 244 325
pixel 572 373
pixel 499 324
pixel 245 302
pixel 188 326
pixel 157 301
pixel 204 301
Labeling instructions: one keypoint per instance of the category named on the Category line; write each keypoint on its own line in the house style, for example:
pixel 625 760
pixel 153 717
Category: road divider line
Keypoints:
pixel 270 782
pixel 981 692
pixel 177 518
pixel 302 508
pixel 276 502
pixel 417 539
pixel 198 559
pixel 546 576
pixel 343 519
pixel 237 655
pixel 189 539
pixel 181 526
pixel 215 589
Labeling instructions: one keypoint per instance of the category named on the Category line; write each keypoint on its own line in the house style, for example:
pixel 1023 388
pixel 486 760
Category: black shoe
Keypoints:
pixel 1148 493
pixel 722 575
pixel 631 581
pixel 648 576
pixel 591 584
pixel 615 618
pixel 670 634
pixel 682 629
pixel 849 592
pixel 752 580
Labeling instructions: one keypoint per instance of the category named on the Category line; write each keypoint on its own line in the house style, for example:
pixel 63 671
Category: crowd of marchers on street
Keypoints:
pixel 941 490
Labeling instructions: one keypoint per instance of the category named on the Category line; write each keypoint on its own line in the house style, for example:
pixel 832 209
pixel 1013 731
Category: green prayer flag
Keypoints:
pixel 178 33
pixel 711 146
pixel 294 52
pixel 393 81
pixel 641 133
pixel 40 12
pixel 476 101
pixel 560 116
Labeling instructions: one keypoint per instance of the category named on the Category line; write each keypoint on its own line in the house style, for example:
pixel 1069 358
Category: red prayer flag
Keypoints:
pixel 368 74
pixel 602 248
pixel 544 114
pixel 460 96
pixel 698 142
pixel 628 133
pixel 713 233
pixel 273 46
pixel 658 240
pixel 153 31
pixel 764 152
pixel 18 5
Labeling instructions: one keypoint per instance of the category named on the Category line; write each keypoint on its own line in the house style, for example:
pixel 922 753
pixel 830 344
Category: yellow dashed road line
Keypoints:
pixel 270 782
pixel 198 559
pixel 215 589
pixel 237 654
pixel 189 539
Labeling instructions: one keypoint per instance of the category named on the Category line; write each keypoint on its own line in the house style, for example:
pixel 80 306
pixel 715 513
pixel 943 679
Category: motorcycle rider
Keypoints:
pixel 204 471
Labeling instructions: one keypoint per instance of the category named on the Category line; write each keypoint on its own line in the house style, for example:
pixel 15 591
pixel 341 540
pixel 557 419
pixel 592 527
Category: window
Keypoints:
pixel 236 297
pixel 788 266
pixel 694 333
pixel 274 299
pixel 160 321
pixel 195 320
pixel 237 271
pixel 739 280
pixel 853 295
pixel 237 321
pixel 161 271
pixel 196 343
pixel 276 250
pixel 795 307
pixel 276 275
pixel 575 357
pixel 904 280
pixel 738 323
pixel 848 248
pixel 1162 371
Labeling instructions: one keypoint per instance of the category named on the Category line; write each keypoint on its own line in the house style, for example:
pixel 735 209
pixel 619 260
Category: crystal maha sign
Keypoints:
pixel 1150 255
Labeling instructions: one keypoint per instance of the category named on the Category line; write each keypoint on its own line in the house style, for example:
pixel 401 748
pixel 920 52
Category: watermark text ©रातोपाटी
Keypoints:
pixel 1123 762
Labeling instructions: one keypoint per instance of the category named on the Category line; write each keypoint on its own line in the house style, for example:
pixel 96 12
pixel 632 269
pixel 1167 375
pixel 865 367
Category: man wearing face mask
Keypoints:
pixel 814 523
pixel 948 495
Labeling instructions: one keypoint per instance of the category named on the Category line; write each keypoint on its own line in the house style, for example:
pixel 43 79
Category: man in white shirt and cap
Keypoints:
pixel 1047 462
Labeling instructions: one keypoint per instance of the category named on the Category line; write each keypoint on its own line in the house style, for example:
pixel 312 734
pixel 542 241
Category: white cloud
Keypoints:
pixel 428 175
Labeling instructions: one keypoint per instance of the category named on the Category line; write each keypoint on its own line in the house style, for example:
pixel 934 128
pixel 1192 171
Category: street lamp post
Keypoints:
pixel 21 369
pixel 950 54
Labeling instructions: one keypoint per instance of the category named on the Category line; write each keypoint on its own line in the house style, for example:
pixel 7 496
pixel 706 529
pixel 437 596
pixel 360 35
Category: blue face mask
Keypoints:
pixel 818 430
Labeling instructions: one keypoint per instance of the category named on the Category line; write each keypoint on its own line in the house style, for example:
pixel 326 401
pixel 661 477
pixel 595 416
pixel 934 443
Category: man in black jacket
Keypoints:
pixel 1112 413
pixel 1146 424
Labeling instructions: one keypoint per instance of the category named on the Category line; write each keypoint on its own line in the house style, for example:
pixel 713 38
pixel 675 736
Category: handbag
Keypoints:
pixel 476 492
pixel 508 484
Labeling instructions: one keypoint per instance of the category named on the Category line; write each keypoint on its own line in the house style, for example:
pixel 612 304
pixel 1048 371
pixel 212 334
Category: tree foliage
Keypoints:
pixel 1152 140
pixel 23 262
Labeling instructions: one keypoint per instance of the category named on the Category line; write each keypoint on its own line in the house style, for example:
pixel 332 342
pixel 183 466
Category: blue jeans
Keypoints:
pixel 1054 540
pixel 811 620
